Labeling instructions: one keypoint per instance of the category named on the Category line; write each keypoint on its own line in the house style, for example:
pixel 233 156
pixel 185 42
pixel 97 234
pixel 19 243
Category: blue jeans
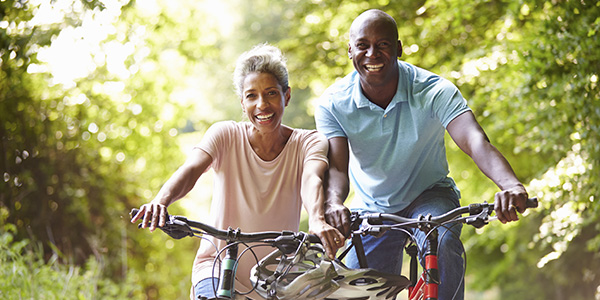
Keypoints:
pixel 386 252
pixel 205 289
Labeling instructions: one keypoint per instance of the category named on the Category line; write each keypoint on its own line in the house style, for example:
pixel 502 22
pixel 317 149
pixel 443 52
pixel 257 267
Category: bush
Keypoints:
pixel 25 274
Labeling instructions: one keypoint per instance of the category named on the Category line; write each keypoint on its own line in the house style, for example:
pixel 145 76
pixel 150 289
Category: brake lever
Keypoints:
pixel 287 243
pixel 177 227
pixel 479 220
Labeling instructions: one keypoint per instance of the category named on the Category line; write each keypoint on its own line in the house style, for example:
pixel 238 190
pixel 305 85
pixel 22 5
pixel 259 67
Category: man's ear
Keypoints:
pixel 349 51
pixel 399 48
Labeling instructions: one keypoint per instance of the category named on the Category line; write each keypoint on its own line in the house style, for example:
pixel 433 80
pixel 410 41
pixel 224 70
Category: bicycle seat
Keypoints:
pixel 312 275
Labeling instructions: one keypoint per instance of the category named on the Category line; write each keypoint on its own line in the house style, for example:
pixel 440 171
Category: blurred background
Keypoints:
pixel 100 100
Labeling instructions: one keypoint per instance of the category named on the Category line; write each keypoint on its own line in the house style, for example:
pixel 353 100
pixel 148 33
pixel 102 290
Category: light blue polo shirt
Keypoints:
pixel 398 152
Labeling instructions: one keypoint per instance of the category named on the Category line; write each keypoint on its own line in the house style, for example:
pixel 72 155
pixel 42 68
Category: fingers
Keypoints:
pixel 153 215
pixel 139 214
pixel 334 242
pixel 331 239
pixel 339 217
pixel 508 203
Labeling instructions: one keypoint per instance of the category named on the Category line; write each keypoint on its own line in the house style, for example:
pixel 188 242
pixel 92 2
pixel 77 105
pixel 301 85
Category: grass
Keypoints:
pixel 24 274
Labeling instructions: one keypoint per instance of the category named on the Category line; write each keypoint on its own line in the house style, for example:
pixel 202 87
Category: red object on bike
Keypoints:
pixel 431 285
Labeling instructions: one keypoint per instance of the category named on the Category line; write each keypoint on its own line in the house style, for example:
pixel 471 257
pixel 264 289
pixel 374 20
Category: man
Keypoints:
pixel 385 123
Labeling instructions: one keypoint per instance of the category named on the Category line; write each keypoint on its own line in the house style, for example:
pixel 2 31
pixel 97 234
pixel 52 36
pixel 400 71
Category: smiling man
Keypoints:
pixel 385 123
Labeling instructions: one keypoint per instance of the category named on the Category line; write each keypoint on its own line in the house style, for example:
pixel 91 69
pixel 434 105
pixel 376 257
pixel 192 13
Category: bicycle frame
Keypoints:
pixel 426 285
pixel 421 287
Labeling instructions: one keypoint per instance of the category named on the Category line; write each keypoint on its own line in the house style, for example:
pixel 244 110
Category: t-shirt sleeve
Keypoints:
pixel 215 141
pixel 315 146
pixel 326 122
pixel 448 103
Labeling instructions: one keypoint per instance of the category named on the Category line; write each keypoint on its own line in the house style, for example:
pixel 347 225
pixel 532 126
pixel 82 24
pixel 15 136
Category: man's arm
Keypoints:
pixel 337 185
pixel 470 138
pixel 313 198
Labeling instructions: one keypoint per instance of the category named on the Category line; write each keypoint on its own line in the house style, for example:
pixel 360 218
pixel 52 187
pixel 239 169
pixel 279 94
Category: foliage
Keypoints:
pixel 24 274
pixel 72 151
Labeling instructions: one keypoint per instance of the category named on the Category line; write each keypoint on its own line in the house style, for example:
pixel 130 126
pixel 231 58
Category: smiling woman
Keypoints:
pixel 262 83
pixel 264 171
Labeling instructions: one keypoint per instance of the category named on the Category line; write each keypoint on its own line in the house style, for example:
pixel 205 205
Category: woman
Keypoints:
pixel 263 169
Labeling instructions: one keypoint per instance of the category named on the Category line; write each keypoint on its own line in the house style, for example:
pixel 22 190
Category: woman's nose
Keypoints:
pixel 262 102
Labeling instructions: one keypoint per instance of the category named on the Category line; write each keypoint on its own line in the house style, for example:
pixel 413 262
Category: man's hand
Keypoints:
pixel 510 201
pixel 338 216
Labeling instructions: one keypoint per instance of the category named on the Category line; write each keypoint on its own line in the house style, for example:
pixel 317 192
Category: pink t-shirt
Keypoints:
pixel 253 194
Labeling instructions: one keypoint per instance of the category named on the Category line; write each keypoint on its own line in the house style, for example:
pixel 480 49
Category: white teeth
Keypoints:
pixel 374 67
pixel 264 117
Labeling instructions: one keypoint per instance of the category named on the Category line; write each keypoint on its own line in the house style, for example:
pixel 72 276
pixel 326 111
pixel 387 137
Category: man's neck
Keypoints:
pixel 380 95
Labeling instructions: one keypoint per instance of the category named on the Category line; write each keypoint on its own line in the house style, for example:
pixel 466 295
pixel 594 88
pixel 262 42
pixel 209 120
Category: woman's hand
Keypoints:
pixel 154 215
pixel 330 237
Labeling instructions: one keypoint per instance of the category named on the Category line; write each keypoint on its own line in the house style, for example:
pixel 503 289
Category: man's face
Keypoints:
pixel 373 49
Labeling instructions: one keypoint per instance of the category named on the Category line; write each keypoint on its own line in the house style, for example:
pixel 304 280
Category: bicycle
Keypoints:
pixel 299 268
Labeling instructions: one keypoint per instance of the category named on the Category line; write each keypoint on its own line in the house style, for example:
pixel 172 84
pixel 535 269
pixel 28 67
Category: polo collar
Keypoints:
pixel 361 100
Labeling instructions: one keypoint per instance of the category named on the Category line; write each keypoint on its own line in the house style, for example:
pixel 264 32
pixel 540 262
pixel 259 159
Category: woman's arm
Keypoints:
pixel 180 183
pixel 470 138
pixel 313 197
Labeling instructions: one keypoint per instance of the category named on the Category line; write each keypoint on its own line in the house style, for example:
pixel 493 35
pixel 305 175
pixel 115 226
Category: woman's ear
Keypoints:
pixel 288 95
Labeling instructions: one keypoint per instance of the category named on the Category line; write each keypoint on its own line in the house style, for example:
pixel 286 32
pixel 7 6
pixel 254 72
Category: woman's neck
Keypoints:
pixel 268 145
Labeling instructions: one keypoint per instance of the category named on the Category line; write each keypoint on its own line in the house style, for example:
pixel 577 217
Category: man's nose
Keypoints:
pixel 372 51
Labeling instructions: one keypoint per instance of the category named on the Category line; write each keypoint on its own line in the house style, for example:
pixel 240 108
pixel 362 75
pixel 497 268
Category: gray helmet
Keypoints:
pixel 310 274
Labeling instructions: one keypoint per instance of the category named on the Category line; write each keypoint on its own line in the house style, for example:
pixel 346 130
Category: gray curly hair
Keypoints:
pixel 263 58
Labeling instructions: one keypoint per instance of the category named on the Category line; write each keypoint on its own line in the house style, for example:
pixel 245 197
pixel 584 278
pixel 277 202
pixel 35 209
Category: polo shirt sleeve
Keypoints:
pixel 326 121
pixel 448 103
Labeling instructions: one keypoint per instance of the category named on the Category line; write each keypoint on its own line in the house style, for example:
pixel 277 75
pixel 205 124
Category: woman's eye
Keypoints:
pixel 250 96
pixel 272 93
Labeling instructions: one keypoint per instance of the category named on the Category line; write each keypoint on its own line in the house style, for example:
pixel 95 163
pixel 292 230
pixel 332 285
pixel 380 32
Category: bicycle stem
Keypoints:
pixel 432 277
pixel 227 272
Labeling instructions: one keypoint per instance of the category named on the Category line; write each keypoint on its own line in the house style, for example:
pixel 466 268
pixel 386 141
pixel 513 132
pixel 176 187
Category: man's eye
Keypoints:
pixel 384 44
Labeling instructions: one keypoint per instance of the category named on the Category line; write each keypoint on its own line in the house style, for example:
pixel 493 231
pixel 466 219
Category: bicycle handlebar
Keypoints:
pixel 179 227
pixel 479 212
pixel 289 242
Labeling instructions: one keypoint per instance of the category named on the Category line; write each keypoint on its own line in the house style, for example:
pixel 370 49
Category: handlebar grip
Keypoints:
pixel 314 239
pixel 532 202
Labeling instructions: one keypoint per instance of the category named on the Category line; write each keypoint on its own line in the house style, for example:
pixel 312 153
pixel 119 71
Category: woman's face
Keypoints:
pixel 263 101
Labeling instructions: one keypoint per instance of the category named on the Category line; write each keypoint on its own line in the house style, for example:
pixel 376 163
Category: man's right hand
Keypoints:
pixel 338 216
